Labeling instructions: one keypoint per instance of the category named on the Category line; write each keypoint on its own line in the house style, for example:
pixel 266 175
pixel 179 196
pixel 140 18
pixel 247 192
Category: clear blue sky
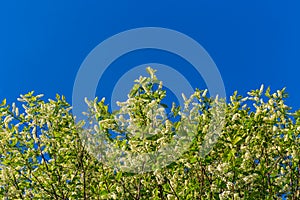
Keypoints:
pixel 43 43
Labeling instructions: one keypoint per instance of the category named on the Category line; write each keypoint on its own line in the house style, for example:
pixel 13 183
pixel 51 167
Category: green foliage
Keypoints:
pixel 42 155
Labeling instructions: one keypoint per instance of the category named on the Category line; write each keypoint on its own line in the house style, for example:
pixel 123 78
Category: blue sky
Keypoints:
pixel 43 43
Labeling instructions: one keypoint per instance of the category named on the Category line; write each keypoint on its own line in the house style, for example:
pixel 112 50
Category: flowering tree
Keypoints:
pixel 45 154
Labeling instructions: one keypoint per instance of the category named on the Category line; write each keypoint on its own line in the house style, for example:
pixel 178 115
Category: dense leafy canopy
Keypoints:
pixel 43 156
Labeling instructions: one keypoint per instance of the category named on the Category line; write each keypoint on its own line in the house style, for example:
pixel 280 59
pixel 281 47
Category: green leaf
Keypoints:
pixel 193 160
pixel 119 176
pixel 3 103
pixel 237 139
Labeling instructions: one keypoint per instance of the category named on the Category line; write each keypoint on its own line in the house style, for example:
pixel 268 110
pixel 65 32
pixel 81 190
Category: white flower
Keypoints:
pixel 258 112
pixel 286 137
pixel 236 196
pixel 219 168
pixel 294 154
pixel 244 99
pixel 285 188
pixel 236 116
pixel 224 195
pixel 261 89
pixel 247 155
pixel 205 129
pixel 114 196
pixel 119 189
pixel 214 187
pixel 229 185
pixel 204 93
pixel 8 119
pixel 246 179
